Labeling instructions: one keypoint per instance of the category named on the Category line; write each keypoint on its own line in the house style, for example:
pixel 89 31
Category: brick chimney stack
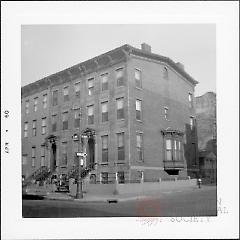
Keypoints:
pixel 146 48
pixel 180 65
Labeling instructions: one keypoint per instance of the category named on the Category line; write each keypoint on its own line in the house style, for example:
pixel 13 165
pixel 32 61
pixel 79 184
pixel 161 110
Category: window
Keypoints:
pixel 35 102
pixel 65 120
pixel 24 160
pixel 77 118
pixel 104 107
pixel 65 94
pixel 120 146
pixel 191 122
pixel 44 125
pixel 174 151
pixel 104 80
pixel 33 156
pixel 64 154
pixel 165 73
pixel 190 99
pixel 54 123
pixel 104 177
pixel 90 112
pixel 45 101
pixel 90 86
pixel 104 148
pixel 139 147
pixel 34 128
pixel 121 178
pixel 119 77
pixel 42 155
pixel 27 107
pixel 138 78
pixel 168 150
pixel 25 133
pixel 120 109
pixel 77 90
pixel 180 151
pixel 166 113
pixel 138 109
pixel 55 98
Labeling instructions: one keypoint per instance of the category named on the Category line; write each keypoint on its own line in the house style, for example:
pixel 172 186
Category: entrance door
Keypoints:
pixel 90 156
pixel 53 161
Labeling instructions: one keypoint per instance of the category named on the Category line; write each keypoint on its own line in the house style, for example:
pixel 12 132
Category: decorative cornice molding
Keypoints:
pixel 115 56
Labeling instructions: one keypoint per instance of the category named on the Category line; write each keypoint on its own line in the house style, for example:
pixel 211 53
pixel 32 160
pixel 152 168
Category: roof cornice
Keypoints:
pixel 97 63
pixel 170 62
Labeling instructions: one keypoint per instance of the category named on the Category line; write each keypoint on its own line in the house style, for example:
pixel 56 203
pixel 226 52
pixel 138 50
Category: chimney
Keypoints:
pixel 180 65
pixel 146 48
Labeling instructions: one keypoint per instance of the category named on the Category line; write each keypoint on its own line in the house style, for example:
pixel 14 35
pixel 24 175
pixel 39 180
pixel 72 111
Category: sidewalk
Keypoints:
pixel 116 198
pixel 96 198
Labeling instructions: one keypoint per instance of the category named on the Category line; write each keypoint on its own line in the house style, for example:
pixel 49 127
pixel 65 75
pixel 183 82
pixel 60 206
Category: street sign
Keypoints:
pixel 81 154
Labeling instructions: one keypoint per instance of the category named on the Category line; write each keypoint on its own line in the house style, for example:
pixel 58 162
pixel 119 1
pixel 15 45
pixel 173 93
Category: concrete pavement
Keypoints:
pixel 184 202
pixel 120 197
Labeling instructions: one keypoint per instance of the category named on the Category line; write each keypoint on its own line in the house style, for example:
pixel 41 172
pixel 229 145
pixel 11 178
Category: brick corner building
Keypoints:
pixel 137 109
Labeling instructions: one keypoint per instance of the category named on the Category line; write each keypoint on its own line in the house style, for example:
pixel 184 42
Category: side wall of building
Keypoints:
pixel 156 94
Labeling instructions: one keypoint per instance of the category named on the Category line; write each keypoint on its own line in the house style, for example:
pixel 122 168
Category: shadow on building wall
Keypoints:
pixel 208 162
pixel 191 150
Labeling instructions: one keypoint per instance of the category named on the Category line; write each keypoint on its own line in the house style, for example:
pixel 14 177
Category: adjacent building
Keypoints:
pixel 207 135
pixel 136 107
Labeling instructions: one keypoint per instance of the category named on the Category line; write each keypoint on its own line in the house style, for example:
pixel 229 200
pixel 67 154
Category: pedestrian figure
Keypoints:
pixel 199 182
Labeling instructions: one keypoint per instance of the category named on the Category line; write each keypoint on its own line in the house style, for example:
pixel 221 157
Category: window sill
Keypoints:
pixel 63 166
pixel 103 163
pixel 120 162
pixel 122 86
pixel 140 121
pixel 139 88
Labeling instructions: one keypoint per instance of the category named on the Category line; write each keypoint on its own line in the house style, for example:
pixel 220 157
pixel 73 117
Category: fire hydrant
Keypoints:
pixel 199 182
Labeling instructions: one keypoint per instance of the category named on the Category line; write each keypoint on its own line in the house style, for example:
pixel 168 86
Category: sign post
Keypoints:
pixel 79 193
pixel 81 156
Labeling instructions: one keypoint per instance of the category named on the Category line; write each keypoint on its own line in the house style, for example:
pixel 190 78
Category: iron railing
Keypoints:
pixel 40 174
pixel 73 173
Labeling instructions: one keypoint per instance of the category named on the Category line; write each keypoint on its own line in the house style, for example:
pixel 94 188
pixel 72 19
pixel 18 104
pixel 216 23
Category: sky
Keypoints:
pixel 47 49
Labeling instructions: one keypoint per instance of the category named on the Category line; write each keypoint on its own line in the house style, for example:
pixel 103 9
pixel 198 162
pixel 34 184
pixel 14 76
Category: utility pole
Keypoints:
pixel 79 193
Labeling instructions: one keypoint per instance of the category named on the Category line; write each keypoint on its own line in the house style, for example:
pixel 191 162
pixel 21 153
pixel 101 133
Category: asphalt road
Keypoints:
pixel 182 203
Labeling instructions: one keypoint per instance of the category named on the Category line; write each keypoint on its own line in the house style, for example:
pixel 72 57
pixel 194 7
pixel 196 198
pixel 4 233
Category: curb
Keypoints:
pixel 60 199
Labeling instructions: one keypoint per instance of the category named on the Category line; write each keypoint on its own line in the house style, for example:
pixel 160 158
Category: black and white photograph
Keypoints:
pixel 118 123
pixel 126 126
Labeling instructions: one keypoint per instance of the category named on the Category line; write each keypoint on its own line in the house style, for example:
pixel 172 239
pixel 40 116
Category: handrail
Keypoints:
pixel 40 174
pixel 74 170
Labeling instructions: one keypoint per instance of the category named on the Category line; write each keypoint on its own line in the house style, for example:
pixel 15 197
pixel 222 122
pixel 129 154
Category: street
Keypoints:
pixel 182 203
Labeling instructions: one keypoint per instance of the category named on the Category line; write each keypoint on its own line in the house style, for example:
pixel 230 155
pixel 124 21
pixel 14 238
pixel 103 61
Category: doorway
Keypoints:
pixel 90 152
pixel 53 162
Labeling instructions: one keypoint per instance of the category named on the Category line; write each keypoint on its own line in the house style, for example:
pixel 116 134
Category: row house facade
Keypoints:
pixel 138 106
